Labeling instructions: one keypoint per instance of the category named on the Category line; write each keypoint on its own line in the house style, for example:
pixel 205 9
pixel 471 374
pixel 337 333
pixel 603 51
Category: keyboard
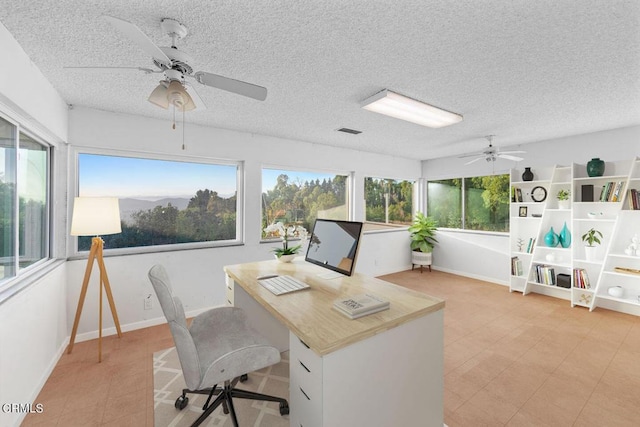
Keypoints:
pixel 280 285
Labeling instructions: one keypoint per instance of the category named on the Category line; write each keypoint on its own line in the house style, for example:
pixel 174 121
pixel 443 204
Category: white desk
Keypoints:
pixel 384 369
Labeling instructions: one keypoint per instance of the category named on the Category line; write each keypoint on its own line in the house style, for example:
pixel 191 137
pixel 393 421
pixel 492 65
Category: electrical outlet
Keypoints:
pixel 148 303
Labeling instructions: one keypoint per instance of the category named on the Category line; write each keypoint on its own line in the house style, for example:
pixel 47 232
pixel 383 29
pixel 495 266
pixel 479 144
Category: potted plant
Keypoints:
pixel 286 253
pixel 591 238
pixel 422 231
pixel 563 199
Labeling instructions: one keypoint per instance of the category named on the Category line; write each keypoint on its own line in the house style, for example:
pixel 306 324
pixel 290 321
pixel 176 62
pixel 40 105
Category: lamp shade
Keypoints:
pixel 95 216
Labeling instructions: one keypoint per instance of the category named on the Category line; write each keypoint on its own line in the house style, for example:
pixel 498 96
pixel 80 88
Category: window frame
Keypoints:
pixel 144 155
pixel 9 283
pixel 349 188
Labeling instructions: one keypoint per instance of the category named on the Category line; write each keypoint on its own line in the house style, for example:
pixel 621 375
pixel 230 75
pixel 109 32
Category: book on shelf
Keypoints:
pixel 516 266
pixel 545 275
pixel 581 279
pixel 531 245
pixel 360 305
pixel 634 199
pixel 611 191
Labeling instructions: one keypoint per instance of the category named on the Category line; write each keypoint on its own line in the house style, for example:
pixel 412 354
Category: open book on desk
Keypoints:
pixel 360 305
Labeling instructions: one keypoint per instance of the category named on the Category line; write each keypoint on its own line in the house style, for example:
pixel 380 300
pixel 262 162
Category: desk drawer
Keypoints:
pixel 303 357
pixel 306 409
pixel 229 284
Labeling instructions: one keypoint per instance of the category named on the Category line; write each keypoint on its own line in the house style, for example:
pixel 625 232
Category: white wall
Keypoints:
pixel 198 273
pixel 33 329
pixel 490 259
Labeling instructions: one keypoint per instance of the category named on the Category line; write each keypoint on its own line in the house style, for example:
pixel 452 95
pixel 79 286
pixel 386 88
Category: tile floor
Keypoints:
pixel 509 361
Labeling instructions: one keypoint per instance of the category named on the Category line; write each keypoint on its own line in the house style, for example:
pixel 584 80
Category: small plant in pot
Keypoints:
pixel 563 199
pixel 423 230
pixel 592 239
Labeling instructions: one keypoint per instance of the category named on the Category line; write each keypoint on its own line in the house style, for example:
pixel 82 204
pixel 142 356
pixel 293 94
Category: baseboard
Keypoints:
pixel 86 336
pixel 471 276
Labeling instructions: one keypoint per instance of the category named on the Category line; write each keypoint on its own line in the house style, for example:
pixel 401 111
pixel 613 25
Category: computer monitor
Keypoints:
pixel 334 245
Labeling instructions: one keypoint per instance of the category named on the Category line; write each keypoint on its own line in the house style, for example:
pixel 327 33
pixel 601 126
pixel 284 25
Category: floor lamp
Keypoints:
pixel 95 216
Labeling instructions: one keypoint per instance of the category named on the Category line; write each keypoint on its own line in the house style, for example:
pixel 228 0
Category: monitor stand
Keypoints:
pixel 330 275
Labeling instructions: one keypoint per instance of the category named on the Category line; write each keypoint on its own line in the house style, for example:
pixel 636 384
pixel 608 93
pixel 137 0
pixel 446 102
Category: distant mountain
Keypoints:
pixel 130 206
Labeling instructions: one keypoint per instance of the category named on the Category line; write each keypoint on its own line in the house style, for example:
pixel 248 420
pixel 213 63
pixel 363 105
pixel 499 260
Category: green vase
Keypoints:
pixel 595 167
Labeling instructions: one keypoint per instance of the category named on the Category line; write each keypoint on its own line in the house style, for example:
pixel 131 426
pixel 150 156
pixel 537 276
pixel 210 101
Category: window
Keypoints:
pixel 444 202
pixel 296 197
pixel 163 202
pixel 388 201
pixel 486 201
pixel 477 203
pixel 24 200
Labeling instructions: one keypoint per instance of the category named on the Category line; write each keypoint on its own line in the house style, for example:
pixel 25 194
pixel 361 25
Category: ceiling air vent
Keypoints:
pixel 351 131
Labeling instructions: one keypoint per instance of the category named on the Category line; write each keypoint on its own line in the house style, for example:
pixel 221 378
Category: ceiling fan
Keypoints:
pixel 491 154
pixel 173 89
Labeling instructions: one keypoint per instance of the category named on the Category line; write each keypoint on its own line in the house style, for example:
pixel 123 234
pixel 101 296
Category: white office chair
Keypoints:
pixel 218 348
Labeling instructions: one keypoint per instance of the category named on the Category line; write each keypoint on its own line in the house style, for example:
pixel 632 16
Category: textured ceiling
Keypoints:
pixel 520 69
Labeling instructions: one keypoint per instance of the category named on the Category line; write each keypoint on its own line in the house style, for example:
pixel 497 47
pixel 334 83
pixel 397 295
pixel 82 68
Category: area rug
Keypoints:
pixel 168 384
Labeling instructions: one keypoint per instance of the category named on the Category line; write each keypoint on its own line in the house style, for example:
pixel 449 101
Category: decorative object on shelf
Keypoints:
pixel 551 239
pixel 616 291
pixel 585 299
pixel 522 211
pixel 527 175
pixel 627 270
pixel 587 193
pixel 538 194
pixel 423 230
pixel 634 247
pixel 285 232
pixel 595 167
pixel 595 215
pixel 536 215
pixel 563 199
pixel 551 257
pixel 591 238
pixel 565 236
pixel 520 244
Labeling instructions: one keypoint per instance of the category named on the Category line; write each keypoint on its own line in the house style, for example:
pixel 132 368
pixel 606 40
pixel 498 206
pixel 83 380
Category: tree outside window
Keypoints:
pixel 299 197
pixel 162 202
pixel 486 202
pixel 388 201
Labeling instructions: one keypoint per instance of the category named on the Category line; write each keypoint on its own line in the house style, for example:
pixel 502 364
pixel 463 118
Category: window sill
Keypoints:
pixel 156 249
pixel 479 232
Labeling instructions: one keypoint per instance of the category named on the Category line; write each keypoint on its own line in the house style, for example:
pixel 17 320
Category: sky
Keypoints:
pixel 144 178
pixel 101 175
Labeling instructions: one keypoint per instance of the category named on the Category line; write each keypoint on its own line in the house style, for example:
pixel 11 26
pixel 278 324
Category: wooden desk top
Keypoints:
pixel 309 313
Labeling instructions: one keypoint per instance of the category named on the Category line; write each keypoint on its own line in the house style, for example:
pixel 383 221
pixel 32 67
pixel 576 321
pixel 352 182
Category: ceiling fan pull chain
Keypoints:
pixel 183 126
pixel 174 117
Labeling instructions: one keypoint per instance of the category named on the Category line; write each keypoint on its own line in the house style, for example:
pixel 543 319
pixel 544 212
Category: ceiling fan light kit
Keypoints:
pixel 401 107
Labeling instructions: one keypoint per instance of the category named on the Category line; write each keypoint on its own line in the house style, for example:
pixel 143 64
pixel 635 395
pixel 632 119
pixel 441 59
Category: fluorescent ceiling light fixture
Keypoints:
pixel 403 108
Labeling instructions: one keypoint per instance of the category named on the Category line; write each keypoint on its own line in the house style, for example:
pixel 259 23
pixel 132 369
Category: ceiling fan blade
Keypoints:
pixel 195 97
pixel 509 157
pixel 146 70
pixel 231 85
pixel 513 152
pixel 470 155
pixel 133 33
pixel 473 161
